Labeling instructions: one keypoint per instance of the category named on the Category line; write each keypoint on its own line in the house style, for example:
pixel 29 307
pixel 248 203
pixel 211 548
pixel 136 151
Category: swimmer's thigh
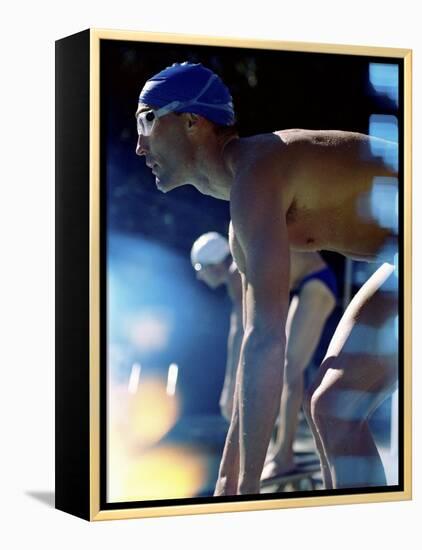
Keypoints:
pixel 361 364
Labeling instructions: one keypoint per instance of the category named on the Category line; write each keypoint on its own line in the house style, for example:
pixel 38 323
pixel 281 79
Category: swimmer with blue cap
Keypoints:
pixel 308 190
pixel 196 105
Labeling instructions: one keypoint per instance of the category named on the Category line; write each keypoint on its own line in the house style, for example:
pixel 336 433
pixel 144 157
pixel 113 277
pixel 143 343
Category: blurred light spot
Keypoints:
pixel 360 276
pixel 115 358
pixel 141 418
pixel 198 267
pixel 383 200
pixel 117 458
pixel 149 331
pixel 364 270
pixel 396 265
pixel 151 413
pixel 385 127
pixel 134 378
pixel 161 473
pixel 386 254
pixel 385 79
pixel 116 404
pixel 172 379
pixel 372 340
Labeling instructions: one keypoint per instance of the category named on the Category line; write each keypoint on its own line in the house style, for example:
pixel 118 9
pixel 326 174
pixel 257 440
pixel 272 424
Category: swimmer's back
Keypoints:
pixel 327 177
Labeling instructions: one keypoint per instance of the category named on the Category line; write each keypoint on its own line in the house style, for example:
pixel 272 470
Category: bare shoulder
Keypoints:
pixel 279 149
pixel 321 137
pixel 258 165
pixel 340 148
pixel 337 139
pixel 243 153
pixel 259 187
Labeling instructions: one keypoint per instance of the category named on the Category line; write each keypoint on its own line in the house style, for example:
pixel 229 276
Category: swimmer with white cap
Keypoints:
pixel 213 263
pixel 308 190
pixel 314 293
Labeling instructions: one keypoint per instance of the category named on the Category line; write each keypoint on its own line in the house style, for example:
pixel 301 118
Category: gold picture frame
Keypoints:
pixel 80 395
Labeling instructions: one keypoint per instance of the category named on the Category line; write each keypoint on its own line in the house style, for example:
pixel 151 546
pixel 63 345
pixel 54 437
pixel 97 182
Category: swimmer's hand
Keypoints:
pixel 225 487
pixel 228 474
pixel 249 487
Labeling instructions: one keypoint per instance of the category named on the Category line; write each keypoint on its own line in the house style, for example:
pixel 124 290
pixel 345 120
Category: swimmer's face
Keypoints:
pixel 213 275
pixel 167 150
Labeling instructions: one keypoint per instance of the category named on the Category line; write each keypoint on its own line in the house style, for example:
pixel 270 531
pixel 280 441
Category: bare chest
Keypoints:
pixel 308 229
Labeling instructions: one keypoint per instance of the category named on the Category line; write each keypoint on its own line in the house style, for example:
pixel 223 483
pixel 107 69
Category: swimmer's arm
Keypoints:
pixel 229 466
pixel 259 223
pixel 233 352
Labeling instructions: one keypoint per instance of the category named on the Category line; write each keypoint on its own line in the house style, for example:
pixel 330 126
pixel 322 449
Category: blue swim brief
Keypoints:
pixel 325 275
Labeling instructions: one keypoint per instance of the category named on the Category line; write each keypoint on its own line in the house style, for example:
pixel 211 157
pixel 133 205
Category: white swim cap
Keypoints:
pixel 210 248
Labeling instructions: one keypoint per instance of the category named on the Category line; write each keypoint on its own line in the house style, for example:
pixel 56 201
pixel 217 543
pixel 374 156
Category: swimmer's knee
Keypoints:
pixel 319 407
pixel 306 403
pixel 326 402
pixel 336 410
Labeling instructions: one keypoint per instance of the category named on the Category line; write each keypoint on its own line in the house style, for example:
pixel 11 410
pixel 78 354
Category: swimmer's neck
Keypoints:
pixel 213 174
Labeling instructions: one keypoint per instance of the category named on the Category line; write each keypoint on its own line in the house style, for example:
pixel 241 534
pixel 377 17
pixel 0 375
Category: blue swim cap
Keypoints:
pixel 190 88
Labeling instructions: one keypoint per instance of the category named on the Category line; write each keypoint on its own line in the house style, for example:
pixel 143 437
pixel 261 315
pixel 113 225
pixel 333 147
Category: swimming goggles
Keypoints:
pixel 145 119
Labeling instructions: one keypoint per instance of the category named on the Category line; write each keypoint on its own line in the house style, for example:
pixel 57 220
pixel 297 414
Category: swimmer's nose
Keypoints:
pixel 142 145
